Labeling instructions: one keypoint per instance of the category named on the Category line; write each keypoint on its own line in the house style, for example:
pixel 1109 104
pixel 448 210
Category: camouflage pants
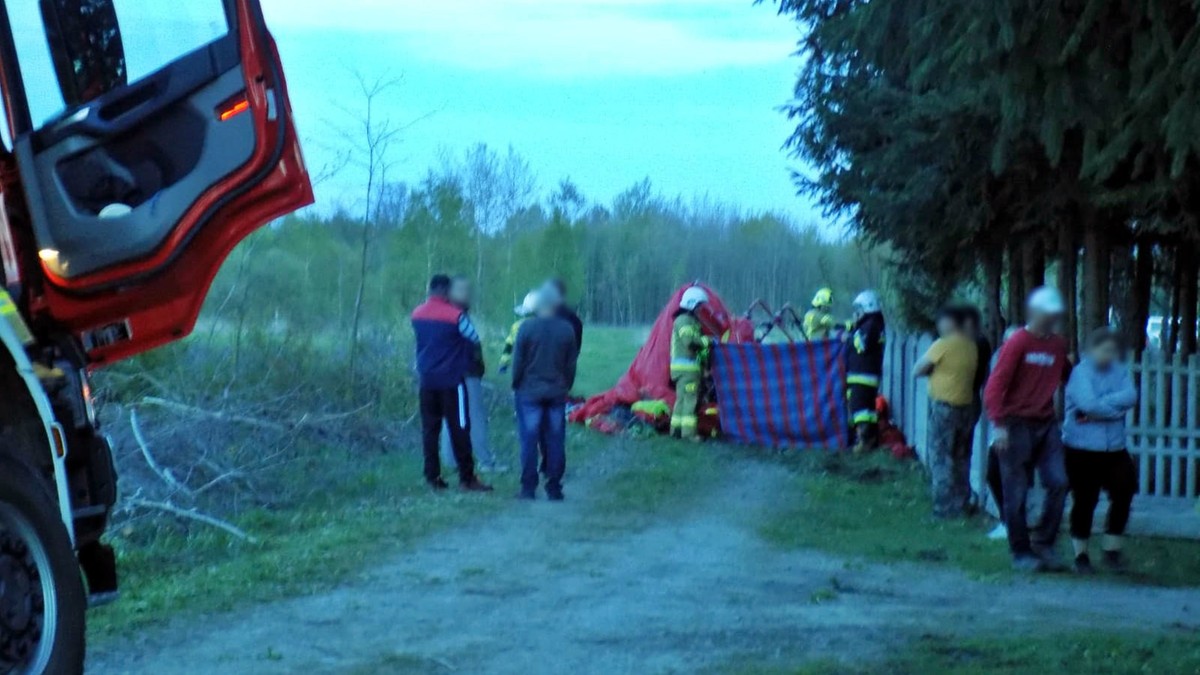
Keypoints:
pixel 951 431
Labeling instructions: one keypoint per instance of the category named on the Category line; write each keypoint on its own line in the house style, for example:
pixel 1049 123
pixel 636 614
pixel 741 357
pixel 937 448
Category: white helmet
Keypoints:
pixel 693 298
pixel 528 307
pixel 867 302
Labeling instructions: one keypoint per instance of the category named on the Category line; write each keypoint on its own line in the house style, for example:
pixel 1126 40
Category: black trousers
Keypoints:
pixel 451 406
pixel 995 482
pixel 1090 473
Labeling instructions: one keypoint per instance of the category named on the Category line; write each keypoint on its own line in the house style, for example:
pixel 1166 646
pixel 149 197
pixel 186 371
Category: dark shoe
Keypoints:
pixel 475 486
pixel 1083 564
pixel 1050 561
pixel 526 496
pixel 438 485
pixel 555 496
pixel 1115 562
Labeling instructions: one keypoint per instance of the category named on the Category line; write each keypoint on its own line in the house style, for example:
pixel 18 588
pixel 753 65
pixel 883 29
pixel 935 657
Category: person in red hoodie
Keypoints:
pixel 446 344
pixel 1019 397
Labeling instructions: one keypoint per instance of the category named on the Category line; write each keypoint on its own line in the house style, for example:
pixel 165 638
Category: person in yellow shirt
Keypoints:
pixel 819 321
pixel 950 365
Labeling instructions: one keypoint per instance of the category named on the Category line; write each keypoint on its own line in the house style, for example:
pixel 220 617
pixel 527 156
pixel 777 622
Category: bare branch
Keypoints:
pixel 164 474
pixel 190 514
pixel 214 414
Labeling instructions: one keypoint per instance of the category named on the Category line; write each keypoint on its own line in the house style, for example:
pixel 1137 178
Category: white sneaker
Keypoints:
pixel 998 533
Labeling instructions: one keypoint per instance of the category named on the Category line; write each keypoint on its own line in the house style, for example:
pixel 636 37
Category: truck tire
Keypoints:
pixel 42 602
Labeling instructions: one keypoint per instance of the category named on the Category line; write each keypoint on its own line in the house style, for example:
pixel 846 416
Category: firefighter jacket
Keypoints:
pixel 509 344
pixel 687 342
pixel 818 324
pixel 864 357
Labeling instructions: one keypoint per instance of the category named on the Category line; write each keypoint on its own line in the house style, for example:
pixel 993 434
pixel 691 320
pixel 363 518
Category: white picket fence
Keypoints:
pixel 1164 429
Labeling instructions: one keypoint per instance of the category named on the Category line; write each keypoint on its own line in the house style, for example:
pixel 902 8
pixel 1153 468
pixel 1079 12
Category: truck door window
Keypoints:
pixel 154 34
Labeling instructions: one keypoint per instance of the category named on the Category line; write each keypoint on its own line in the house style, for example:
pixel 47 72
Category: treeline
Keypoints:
pixel 994 145
pixel 481 215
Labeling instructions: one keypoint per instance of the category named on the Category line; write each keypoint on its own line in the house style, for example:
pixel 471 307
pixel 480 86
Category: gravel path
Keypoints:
pixel 541 588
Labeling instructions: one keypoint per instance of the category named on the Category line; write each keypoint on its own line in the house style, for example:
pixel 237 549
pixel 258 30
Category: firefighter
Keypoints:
pixel 864 367
pixel 818 322
pixel 523 311
pixel 688 346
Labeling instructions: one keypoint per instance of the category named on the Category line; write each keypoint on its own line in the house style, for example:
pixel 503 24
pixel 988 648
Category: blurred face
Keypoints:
pixel 947 326
pixel 1043 322
pixel 460 292
pixel 1105 354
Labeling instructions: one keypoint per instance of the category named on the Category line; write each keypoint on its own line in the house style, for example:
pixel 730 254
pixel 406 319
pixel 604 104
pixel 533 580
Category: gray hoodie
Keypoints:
pixel 1096 404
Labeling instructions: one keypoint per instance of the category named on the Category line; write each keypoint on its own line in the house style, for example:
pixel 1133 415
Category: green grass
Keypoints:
pixel 607 353
pixel 658 479
pixel 376 509
pixel 331 539
pixel 299 550
pixel 877 508
pixel 1082 653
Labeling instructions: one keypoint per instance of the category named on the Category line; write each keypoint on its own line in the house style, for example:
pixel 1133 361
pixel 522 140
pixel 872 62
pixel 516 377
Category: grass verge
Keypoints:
pixel 374 510
pixel 655 479
pixel 877 508
pixel 299 550
pixel 1085 654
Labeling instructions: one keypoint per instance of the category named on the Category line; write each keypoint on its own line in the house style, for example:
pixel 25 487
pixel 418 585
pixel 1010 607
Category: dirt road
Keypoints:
pixel 542 589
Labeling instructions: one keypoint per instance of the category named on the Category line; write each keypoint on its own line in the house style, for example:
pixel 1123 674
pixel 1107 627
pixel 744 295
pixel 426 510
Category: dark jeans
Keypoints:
pixel 452 407
pixel 542 425
pixel 1033 445
pixel 995 481
pixel 1090 472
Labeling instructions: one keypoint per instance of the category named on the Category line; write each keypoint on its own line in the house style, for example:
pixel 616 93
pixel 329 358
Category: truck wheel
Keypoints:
pixel 42 603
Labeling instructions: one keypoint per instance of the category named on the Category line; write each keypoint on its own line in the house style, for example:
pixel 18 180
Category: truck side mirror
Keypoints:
pixel 84 37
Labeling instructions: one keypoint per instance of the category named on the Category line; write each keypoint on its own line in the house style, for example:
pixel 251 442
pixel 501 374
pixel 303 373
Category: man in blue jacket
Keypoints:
pixel 446 343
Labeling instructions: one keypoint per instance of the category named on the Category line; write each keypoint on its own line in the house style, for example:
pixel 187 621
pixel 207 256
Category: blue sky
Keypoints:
pixel 604 91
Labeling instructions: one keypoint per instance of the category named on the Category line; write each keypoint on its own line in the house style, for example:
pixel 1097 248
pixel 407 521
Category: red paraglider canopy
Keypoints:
pixel 649 376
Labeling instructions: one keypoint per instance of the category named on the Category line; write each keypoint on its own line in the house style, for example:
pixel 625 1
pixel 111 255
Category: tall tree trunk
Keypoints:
pixel 1016 285
pixel 1170 331
pixel 359 302
pixel 1143 287
pixel 993 272
pixel 1068 278
pixel 1188 299
pixel 1121 289
pixel 1033 263
pixel 1095 274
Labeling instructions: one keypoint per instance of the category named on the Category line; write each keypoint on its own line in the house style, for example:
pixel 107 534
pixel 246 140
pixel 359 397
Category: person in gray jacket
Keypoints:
pixel 1098 396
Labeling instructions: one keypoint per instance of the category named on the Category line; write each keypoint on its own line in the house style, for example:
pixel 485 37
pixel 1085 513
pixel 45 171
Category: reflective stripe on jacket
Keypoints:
pixel 864 358
pixel 687 340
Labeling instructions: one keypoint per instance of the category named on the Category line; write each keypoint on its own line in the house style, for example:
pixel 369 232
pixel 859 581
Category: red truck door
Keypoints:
pixel 167 138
